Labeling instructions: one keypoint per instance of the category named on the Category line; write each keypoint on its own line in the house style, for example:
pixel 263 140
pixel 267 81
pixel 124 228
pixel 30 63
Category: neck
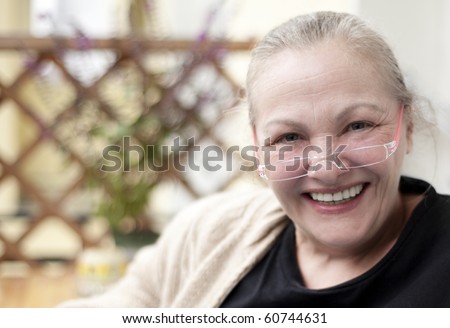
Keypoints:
pixel 321 269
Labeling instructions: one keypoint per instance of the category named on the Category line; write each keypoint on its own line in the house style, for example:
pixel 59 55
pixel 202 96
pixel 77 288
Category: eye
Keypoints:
pixel 359 126
pixel 288 138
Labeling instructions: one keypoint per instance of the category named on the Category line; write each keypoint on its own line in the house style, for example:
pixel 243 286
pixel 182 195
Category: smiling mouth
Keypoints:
pixel 337 197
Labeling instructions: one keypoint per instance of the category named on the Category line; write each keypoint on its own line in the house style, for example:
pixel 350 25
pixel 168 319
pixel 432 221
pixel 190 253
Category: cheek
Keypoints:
pixel 286 192
pixel 255 135
pixel 391 168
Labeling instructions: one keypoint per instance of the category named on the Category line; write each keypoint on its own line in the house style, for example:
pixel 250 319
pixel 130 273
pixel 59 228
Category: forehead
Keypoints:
pixel 323 76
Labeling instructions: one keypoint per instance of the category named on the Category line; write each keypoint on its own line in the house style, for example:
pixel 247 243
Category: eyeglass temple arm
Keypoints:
pixel 398 131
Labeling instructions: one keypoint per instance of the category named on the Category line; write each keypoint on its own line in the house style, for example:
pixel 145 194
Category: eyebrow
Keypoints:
pixel 339 117
pixel 352 108
pixel 286 122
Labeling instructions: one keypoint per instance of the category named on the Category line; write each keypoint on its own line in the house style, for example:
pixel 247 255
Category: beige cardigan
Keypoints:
pixel 202 255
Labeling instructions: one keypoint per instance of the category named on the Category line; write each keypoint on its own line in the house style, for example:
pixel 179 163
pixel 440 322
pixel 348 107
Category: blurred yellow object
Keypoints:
pixel 98 268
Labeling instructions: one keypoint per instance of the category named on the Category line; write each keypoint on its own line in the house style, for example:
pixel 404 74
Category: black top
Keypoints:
pixel 414 273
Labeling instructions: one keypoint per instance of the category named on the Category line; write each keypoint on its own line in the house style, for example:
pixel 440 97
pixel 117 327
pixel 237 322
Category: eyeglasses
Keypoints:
pixel 344 157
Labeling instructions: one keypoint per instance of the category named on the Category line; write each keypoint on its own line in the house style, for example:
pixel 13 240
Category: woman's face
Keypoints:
pixel 300 99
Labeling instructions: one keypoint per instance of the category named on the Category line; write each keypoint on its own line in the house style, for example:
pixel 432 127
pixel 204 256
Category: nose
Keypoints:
pixel 325 165
pixel 325 171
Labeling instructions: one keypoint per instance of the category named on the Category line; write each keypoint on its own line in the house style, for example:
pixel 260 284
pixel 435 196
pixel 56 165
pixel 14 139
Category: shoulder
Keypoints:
pixel 224 225
pixel 226 210
pixel 208 224
pixel 414 189
pixel 430 218
pixel 233 199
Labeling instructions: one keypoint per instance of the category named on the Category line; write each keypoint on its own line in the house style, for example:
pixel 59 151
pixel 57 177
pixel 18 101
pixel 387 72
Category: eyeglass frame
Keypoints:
pixel 390 147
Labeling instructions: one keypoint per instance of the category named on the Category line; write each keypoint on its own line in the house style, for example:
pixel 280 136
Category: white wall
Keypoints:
pixel 239 19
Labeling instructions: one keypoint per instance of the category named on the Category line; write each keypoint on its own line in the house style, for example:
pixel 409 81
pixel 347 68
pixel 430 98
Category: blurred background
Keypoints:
pixel 80 77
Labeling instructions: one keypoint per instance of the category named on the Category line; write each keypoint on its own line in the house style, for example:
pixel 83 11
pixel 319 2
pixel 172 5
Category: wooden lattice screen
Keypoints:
pixel 68 100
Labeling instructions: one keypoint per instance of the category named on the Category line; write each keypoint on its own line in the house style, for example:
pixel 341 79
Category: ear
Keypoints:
pixel 409 135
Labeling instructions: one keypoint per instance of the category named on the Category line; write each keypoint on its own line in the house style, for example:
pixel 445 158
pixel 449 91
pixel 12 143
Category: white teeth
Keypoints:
pixel 338 196
pixel 346 193
pixel 327 197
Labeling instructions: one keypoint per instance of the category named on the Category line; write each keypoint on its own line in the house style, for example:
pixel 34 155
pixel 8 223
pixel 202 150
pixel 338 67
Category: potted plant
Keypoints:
pixel 128 181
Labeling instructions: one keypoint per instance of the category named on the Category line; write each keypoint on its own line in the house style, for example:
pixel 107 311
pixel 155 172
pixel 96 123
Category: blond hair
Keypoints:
pixel 306 31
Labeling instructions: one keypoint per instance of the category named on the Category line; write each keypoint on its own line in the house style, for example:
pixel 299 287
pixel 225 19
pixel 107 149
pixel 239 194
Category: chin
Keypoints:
pixel 344 240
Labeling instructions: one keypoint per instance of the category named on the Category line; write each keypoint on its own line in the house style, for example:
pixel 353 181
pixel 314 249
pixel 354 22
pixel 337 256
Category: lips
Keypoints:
pixel 337 197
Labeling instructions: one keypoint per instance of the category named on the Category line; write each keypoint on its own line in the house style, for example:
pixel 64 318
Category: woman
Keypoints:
pixel 339 226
